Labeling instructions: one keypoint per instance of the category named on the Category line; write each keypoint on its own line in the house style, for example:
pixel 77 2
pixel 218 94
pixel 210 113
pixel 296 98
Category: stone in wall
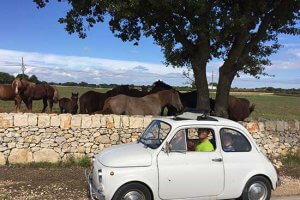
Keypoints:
pixel 109 121
pixel 2 159
pixel 117 121
pixel 46 155
pixel 54 120
pixel 293 125
pixel 252 127
pixel 43 120
pixel 32 119
pixel 136 122
pixel 20 156
pixel 6 120
pixel 147 120
pixel 114 138
pixel 96 121
pixel 65 121
pixel 280 126
pixel 86 121
pixel 76 121
pixel 270 126
pixel 103 121
pixel 261 126
pixel 21 119
pixel 125 121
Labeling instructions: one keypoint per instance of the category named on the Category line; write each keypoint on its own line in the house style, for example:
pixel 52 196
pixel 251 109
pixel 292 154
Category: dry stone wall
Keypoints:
pixel 28 137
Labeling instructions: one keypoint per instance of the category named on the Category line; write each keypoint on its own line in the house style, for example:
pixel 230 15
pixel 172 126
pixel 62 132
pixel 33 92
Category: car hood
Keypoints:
pixel 125 155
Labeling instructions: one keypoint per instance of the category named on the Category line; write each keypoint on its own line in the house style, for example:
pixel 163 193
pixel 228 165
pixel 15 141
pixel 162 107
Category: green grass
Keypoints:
pixel 84 162
pixel 291 165
pixel 274 107
pixel 268 106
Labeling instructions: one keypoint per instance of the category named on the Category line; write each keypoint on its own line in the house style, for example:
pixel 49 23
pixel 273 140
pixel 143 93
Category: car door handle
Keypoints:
pixel 217 159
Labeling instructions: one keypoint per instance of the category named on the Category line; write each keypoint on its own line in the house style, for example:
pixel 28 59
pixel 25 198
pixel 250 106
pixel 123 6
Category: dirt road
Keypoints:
pixel 23 183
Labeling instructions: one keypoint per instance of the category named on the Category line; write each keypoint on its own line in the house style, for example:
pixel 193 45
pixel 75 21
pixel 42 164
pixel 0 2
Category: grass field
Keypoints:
pixel 268 106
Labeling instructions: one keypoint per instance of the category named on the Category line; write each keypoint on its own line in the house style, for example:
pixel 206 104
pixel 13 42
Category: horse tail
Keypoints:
pixel 251 109
pixel 55 96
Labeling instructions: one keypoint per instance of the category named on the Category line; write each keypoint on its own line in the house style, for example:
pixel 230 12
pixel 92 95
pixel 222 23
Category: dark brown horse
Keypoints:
pixel 67 105
pixel 91 102
pixel 151 104
pixel 29 91
pixel 239 108
pixel 126 90
pixel 7 94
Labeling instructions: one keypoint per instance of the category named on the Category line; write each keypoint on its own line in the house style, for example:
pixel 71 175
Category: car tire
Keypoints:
pixel 133 191
pixel 257 188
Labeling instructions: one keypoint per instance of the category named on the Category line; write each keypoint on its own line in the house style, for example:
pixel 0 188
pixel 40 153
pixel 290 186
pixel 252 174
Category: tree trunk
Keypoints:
pixel 225 79
pixel 199 68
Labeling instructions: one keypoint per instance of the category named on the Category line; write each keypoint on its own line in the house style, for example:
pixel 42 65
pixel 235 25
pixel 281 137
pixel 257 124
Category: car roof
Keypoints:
pixel 209 120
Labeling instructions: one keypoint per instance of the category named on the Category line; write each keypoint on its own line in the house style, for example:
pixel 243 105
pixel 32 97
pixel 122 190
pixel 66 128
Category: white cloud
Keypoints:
pixel 58 68
pixel 51 67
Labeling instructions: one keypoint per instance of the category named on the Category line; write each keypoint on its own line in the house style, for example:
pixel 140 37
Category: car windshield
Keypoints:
pixel 155 134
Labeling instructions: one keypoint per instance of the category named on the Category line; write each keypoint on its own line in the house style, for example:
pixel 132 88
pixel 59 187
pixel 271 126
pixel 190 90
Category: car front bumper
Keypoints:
pixel 93 192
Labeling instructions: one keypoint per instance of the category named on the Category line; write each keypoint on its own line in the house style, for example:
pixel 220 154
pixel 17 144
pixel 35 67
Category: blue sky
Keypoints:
pixel 54 55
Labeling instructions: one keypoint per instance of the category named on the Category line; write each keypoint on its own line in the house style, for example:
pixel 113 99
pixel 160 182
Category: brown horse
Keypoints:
pixel 29 91
pixel 151 104
pixel 91 101
pixel 239 108
pixel 67 105
pixel 7 94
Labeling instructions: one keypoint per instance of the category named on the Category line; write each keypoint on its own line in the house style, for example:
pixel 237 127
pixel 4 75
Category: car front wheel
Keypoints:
pixel 257 188
pixel 134 191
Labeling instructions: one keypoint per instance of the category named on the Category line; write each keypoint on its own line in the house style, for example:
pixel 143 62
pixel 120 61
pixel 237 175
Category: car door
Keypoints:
pixel 190 174
pixel 238 160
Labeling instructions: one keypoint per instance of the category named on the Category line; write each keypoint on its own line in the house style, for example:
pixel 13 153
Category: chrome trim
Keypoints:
pixel 93 193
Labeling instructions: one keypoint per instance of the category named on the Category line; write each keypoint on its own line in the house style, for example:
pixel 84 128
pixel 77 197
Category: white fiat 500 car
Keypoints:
pixel 168 162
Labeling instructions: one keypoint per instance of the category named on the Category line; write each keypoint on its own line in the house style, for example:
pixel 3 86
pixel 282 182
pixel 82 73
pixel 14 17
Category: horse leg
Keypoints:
pixel 45 104
pixel 29 107
pixel 18 102
pixel 50 104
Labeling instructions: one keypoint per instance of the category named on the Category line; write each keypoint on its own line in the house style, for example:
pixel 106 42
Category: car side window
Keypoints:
pixel 234 141
pixel 178 142
pixel 201 139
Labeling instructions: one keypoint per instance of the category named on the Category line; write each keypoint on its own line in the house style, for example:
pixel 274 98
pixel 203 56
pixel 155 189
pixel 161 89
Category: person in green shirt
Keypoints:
pixel 205 144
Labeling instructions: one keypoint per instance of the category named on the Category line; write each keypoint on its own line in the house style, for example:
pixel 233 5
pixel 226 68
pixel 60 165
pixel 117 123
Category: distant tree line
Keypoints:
pixel 6 78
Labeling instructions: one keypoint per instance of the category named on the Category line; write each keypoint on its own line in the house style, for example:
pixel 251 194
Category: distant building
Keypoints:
pixel 212 87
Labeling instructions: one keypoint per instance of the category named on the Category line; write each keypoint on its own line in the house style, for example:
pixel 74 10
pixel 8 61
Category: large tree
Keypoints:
pixel 191 33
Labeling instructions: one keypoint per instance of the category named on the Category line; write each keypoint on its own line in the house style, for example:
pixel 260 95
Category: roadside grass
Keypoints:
pixel 84 162
pixel 291 165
